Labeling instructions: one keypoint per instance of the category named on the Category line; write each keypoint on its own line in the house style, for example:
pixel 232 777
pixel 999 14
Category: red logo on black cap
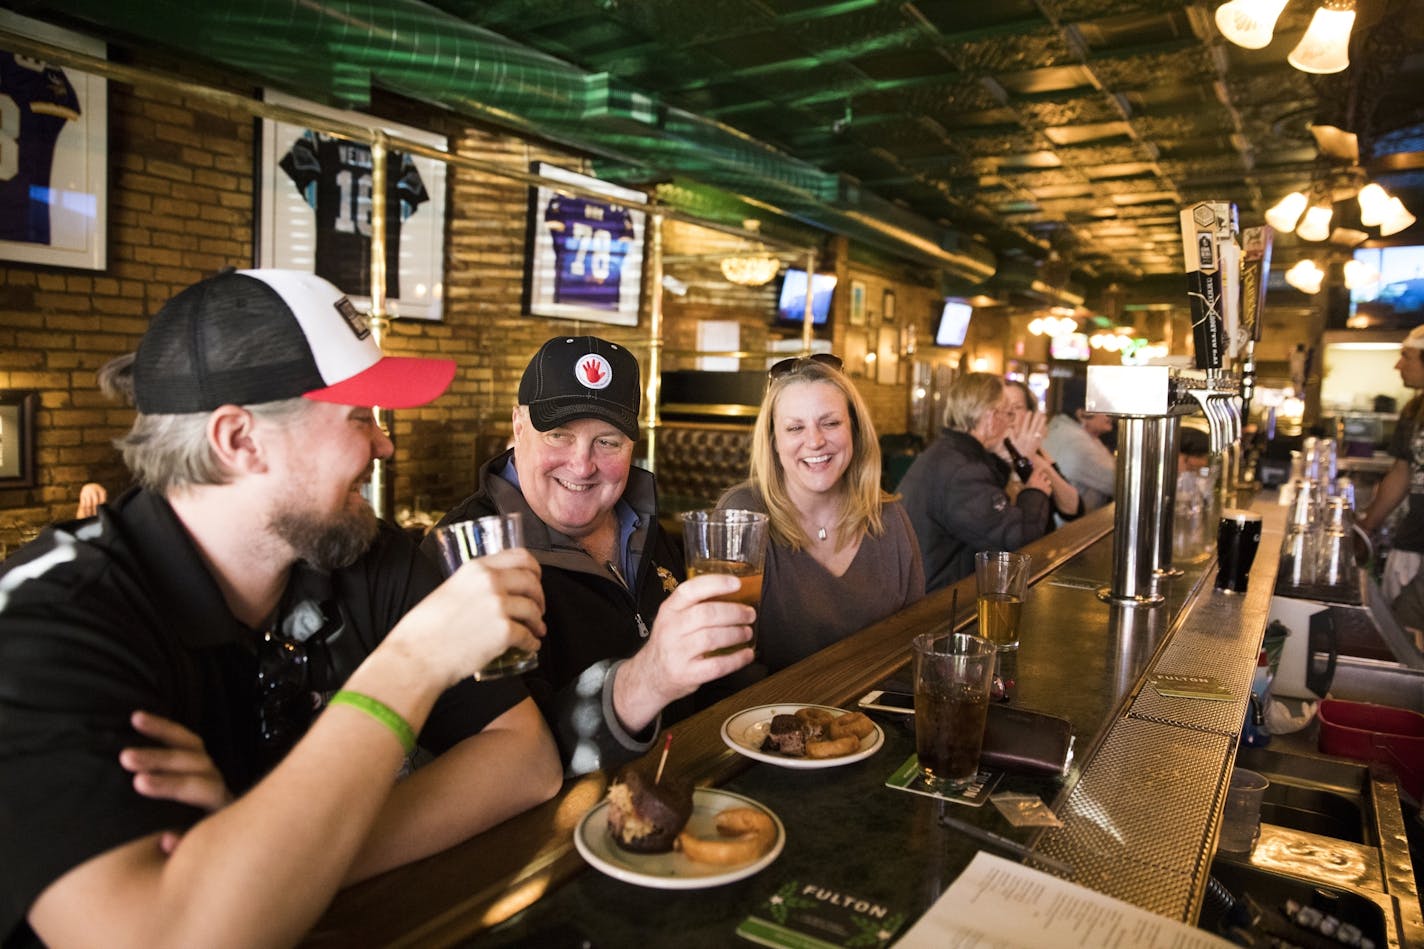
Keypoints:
pixel 593 372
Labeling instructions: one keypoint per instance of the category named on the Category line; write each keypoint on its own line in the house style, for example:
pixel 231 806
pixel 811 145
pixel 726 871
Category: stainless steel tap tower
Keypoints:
pixel 1148 401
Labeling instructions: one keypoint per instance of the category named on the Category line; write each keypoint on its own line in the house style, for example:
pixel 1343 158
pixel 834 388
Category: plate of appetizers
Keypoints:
pixel 726 837
pixel 803 736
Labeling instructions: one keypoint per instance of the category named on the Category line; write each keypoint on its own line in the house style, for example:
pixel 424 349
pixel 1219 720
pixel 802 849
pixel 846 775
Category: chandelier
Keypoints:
pixel 1317 217
pixel 1325 47
pixel 753 267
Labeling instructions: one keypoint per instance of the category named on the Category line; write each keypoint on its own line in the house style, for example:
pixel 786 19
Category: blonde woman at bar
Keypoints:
pixel 841 553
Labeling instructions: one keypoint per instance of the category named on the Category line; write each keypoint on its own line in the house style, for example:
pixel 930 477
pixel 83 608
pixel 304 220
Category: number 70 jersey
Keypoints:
pixel 591 238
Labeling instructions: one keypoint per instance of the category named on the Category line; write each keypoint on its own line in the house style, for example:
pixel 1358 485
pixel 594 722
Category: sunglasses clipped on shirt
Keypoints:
pixel 788 366
pixel 284 703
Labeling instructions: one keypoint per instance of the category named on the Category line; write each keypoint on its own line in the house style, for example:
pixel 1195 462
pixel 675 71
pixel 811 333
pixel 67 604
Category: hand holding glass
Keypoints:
pixel 731 542
pixel 1002 579
pixel 463 541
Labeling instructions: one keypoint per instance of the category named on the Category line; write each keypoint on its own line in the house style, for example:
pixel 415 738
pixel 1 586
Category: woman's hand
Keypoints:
pixel 1027 433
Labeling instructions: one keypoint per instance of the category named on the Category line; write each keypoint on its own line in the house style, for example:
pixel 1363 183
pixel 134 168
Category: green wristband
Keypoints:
pixel 381 712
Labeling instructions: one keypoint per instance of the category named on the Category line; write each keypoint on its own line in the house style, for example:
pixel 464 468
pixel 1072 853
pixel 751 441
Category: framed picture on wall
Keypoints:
pixel 887 356
pixel 54 198
pixel 585 256
pixel 314 209
pixel 857 303
pixel 17 437
pixel 887 306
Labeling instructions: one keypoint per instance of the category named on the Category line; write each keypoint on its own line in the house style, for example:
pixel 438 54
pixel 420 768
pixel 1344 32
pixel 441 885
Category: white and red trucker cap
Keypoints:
pixel 249 336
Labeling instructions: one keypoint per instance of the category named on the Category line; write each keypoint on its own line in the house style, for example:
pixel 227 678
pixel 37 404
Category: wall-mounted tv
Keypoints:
pixel 1073 346
pixel 953 323
pixel 1396 299
pixel 792 304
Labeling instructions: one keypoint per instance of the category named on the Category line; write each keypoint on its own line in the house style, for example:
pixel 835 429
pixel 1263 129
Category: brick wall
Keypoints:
pixel 181 206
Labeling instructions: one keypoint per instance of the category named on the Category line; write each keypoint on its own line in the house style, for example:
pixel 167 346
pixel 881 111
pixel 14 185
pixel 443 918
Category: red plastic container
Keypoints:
pixel 1392 736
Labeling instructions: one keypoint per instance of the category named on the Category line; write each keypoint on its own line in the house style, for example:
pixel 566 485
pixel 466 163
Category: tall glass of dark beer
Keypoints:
pixel 1237 537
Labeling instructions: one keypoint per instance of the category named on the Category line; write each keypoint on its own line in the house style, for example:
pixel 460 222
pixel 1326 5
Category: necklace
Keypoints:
pixel 821 534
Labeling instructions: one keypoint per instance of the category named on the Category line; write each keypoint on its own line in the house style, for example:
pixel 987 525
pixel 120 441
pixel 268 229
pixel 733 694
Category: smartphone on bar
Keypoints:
pixel 881 700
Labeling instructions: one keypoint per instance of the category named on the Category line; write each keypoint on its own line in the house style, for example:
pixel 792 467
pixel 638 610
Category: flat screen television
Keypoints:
pixel 953 323
pixel 1396 299
pixel 1074 346
pixel 792 304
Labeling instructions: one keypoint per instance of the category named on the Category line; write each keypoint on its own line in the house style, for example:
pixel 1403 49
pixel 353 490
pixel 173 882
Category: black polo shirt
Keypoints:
pixel 104 616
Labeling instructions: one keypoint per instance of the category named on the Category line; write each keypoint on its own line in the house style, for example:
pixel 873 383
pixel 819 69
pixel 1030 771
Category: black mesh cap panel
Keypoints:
pixel 230 339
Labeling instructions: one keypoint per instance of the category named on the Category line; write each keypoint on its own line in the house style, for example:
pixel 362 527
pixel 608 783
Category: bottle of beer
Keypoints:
pixel 1022 466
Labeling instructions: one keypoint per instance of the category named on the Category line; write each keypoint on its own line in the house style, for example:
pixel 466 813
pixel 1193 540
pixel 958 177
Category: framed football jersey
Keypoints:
pixel 315 211
pixel 585 259
pixel 53 153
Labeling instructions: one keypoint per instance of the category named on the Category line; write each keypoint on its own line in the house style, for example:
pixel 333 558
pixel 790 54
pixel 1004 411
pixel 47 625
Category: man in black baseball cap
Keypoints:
pixel 628 641
pixel 207 690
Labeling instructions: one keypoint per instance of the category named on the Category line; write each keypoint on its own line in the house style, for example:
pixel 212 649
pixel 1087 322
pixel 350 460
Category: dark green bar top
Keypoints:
pixel 1140 802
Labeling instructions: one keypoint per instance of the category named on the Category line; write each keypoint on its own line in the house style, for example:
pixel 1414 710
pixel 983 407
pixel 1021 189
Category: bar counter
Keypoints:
pixel 1140 802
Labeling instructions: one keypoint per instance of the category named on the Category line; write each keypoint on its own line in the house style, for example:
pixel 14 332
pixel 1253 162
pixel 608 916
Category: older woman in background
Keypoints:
pixel 1025 430
pixel 954 491
pixel 841 553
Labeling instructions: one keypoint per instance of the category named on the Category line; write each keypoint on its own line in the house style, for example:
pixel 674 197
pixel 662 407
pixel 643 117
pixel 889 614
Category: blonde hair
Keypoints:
pixel 969 397
pixel 861 499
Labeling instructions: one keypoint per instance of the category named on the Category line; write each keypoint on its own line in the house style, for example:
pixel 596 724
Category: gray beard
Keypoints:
pixel 327 543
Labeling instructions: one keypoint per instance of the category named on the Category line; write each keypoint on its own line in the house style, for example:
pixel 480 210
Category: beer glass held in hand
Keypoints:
pixel 463 541
pixel 1002 579
pixel 954 673
pixel 731 542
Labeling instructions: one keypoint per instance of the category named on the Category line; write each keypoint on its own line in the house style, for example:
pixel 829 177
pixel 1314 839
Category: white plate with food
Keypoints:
pixel 748 732
pixel 675 870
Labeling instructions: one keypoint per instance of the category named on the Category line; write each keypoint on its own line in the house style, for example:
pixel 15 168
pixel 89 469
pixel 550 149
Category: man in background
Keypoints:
pixel 1404 481
pixel 208 690
pixel 628 641
pixel 1074 440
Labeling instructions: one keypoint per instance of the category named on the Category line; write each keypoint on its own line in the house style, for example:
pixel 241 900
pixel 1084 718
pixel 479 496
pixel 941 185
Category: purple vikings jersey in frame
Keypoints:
pixel 36 100
pixel 590 241
pixel 334 177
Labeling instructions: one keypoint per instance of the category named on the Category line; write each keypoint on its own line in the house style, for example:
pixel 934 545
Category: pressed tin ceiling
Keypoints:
pixel 1081 126
pixel 999 131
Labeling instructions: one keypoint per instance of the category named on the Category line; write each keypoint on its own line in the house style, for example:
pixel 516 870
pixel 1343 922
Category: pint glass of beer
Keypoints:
pixel 1237 536
pixel 463 541
pixel 1002 579
pixel 727 541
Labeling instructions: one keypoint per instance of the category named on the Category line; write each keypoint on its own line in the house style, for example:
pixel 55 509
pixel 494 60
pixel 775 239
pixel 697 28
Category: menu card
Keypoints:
pixel 999 904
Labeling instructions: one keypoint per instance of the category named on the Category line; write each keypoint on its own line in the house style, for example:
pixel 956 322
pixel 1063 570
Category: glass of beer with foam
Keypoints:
pixel 727 541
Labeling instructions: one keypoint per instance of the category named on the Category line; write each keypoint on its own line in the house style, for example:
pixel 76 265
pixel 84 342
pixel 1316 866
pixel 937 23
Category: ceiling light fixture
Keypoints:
pixel 751 268
pixel 1342 208
pixel 1306 276
pixel 1396 218
pixel 1287 211
pixel 1325 47
pixel 1315 226
pixel 1359 274
pixel 1249 23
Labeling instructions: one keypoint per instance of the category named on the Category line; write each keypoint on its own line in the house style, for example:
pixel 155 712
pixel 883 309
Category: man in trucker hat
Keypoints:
pixel 208 689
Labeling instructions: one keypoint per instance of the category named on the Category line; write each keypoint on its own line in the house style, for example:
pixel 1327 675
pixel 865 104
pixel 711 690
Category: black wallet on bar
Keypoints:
pixel 1022 740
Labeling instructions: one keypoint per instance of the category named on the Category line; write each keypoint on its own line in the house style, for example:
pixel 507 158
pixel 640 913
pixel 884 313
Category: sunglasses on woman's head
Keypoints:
pixel 787 366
